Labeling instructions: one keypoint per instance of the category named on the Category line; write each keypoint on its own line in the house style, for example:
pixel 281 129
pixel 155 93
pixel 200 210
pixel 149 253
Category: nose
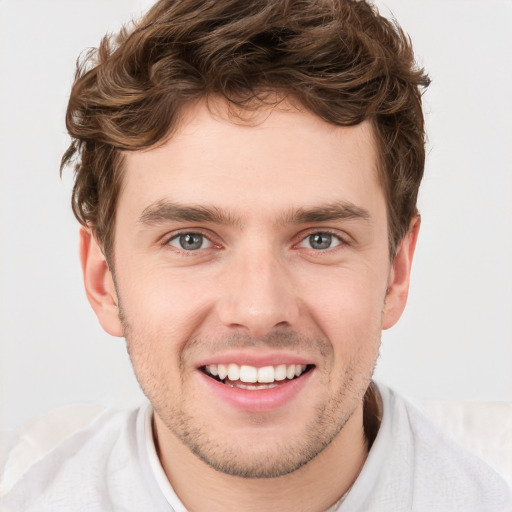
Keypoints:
pixel 258 295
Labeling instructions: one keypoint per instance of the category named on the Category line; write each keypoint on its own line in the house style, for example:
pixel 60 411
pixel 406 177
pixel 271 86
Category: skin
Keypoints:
pixel 256 287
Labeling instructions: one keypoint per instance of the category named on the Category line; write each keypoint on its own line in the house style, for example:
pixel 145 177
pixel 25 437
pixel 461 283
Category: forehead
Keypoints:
pixel 267 159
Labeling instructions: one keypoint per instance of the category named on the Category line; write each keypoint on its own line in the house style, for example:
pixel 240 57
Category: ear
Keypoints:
pixel 99 284
pixel 399 276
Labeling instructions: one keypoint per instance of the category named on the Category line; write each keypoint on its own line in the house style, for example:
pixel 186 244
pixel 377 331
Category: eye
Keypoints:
pixel 320 241
pixel 190 241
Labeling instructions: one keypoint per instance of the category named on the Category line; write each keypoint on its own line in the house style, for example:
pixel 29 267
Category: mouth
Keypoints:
pixel 255 378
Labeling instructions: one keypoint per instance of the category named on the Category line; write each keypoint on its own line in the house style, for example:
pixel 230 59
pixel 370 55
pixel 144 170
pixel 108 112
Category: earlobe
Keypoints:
pixel 399 276
pixel 99 284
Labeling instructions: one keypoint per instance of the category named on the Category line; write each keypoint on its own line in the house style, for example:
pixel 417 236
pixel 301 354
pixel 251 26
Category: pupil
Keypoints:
pixel 191 241
pixel 320 240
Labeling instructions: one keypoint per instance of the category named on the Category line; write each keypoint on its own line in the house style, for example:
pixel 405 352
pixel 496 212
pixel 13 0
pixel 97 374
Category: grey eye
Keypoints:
pixel 320 241
pixel 190 241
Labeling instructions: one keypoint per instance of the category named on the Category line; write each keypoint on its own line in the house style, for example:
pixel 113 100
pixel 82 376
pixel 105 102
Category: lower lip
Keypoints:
pixel 257 400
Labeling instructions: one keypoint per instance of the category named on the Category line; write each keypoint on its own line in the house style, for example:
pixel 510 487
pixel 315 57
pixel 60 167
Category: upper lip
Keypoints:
pixel 257 359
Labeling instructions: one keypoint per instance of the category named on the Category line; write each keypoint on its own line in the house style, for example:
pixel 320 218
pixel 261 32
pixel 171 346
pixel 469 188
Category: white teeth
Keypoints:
pixel 251 374
pixel 233 372
pixel 280 372
pixel 248 374
pixel 254 386
pixel 266 374
pixel 222 370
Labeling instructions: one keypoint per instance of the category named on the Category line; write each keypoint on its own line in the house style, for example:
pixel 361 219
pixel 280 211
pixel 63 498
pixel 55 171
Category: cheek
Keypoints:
pixel 349 303
pixel 349 314
pixel 165 302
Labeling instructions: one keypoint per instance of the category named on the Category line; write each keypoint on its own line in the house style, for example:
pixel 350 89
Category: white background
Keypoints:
pixel 455 338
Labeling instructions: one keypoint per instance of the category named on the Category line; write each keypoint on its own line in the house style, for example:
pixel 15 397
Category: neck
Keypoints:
pixel 314 487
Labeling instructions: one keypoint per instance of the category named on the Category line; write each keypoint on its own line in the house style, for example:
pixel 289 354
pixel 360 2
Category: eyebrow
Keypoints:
pixel 340 210
pixel 164 211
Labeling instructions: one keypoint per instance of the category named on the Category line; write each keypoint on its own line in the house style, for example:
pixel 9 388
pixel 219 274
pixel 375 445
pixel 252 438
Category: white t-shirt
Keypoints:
pixel 110 463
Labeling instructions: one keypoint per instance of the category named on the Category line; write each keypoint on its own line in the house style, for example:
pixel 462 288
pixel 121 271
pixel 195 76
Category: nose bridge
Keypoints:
pixel 258 293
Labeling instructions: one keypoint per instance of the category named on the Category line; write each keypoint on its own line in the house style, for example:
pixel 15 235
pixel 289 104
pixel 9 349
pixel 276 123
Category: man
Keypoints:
pixel 246 178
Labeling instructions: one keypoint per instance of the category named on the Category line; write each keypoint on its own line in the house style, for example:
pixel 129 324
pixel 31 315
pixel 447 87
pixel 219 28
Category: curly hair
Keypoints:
pixel 340 59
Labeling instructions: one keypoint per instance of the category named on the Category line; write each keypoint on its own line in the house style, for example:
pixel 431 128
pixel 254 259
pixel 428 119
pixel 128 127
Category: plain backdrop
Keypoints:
pixel 454 341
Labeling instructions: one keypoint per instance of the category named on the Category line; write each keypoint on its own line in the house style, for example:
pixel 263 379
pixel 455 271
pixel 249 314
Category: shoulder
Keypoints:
pixel 441 470
pixel 68 448
pixel 40 437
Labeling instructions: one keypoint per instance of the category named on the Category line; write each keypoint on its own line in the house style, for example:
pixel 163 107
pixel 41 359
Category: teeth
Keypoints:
pixel 251 374
pixel 233 372
pixel 280 372
pixel 222 370
pixel 248 374
pixel 266 374
pixel 255 386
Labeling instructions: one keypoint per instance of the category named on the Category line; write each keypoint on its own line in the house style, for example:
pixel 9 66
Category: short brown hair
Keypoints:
pixel 339 58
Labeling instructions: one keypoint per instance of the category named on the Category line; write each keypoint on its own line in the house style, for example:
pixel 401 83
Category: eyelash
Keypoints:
pixel 303 238
pixel 176 236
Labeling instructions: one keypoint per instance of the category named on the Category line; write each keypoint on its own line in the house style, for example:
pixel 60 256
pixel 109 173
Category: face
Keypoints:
pixel 253 280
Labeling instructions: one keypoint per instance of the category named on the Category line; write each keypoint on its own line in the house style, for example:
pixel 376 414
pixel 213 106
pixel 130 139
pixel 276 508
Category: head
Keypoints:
pixel 248 173
pixel 338 59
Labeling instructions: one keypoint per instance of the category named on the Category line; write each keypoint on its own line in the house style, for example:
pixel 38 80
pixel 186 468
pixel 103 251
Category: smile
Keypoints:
pixel 254 378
